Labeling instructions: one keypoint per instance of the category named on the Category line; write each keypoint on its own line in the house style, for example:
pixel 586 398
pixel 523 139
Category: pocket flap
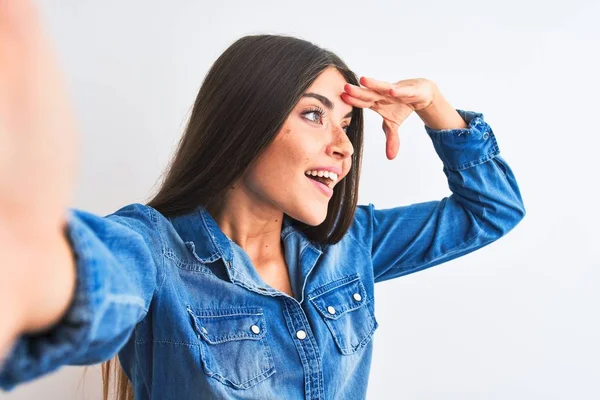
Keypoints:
pixel 224 325
pixel 339 297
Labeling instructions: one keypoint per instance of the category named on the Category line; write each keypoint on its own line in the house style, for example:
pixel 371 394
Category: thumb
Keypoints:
pixel 392 139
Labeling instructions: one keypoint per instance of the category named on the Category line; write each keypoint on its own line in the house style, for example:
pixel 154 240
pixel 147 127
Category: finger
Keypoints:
pixel 356 102
pixel 380 86
pixel 392 143
pixel 364 94
pixel 403 91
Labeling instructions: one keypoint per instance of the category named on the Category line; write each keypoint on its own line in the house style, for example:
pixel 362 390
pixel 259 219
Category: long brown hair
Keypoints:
pixel 242 104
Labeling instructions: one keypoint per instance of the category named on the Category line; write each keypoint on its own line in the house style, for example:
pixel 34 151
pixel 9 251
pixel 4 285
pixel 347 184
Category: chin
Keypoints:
pixel 312 219
pixel 306 207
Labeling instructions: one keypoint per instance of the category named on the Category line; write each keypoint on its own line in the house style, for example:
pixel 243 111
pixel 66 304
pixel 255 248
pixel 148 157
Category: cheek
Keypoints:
pixel 289 153
pixel 275 174
pixel 282 165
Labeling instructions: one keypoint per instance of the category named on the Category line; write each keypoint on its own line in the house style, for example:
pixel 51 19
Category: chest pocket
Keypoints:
pixel 347 312
pixel 233 345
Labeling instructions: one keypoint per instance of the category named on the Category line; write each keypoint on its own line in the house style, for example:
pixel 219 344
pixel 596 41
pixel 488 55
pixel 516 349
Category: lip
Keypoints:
pixel 327 191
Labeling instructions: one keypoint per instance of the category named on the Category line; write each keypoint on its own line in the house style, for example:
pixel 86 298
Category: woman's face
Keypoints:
pixel 313 138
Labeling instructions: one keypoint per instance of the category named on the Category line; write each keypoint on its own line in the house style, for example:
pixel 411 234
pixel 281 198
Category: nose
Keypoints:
pixel 341 146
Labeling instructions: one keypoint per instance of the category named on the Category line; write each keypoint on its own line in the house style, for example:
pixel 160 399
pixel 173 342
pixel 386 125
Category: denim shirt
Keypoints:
pixel 191 318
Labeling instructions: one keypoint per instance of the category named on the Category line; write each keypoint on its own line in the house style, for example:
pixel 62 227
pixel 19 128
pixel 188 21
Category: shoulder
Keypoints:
pixel 362 224
pixel 359 233
pixel 134 218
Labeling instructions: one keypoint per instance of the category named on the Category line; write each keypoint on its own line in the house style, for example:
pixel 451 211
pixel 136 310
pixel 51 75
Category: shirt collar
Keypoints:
pixel 208 243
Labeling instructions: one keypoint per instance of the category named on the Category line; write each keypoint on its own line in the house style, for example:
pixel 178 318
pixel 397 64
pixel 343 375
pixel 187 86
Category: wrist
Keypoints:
pixel 13 310
pixel 38 282
pixel 9 333
pixel 52 285
pixel 441 115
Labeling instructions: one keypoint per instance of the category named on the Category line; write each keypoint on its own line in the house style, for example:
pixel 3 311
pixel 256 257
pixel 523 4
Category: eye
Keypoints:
pixel 321 113
pixel 315 111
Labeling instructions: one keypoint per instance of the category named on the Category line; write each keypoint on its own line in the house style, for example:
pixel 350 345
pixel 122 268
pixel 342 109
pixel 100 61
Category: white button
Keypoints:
pixel 204 330
pixel 301 335
pixel 331 310
pixel 357 296
pixel 255 329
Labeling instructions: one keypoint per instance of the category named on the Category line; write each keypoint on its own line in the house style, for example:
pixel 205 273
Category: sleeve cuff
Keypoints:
pixel 35 354
pixel 464 148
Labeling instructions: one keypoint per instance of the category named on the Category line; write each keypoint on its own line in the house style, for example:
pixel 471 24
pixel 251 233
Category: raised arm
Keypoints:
pixel 485 204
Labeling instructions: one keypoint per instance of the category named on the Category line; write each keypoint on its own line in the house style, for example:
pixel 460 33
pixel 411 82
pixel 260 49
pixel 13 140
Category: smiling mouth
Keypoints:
pixel 324 188
pixel 321 179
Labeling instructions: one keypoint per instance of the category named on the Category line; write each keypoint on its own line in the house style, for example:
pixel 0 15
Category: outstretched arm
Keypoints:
pixel 37 171
pixel 73 285
pixel 119 266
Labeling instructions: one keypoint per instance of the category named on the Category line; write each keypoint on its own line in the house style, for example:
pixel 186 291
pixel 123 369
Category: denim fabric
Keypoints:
pixel 191 318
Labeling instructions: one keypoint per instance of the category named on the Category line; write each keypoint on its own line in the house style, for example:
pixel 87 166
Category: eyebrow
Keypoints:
pixel 326 102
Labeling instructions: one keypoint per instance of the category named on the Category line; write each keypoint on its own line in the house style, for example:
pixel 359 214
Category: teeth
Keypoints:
pixel 327 174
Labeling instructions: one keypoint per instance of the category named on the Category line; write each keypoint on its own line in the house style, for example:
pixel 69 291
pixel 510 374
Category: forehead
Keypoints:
pixel 330 78
pixel 330 83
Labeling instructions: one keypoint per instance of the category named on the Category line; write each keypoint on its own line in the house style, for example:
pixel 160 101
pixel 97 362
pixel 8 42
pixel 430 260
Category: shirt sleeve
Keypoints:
pixel 485 204
pixel 119 266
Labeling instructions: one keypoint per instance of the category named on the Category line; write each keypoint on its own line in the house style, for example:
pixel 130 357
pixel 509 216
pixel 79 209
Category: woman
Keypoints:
pixel 251 273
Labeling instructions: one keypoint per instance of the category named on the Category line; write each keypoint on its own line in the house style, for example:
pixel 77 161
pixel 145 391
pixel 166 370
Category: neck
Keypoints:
pixel 255 228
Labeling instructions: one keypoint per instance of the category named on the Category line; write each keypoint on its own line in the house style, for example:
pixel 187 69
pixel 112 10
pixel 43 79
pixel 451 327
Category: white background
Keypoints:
pixel 517 319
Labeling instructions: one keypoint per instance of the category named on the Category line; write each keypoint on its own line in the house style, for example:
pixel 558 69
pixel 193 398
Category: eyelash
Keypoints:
pixel 322 114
